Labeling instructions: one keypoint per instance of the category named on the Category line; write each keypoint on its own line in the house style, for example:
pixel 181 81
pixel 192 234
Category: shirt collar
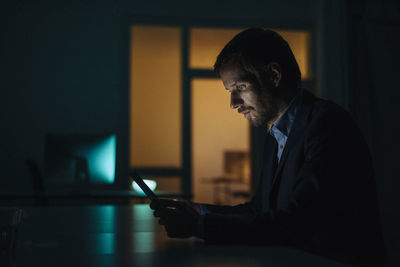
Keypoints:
pixel 286 120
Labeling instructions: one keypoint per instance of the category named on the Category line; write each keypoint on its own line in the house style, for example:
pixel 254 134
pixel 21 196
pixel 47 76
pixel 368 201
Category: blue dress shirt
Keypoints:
pixel 281 129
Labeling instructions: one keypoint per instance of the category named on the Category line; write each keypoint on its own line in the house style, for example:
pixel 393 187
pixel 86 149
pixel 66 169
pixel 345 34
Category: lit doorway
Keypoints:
pixel 220 145
pixel 182 132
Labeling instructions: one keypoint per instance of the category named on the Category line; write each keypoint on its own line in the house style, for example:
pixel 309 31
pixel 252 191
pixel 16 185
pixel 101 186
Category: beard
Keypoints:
pixel 267 108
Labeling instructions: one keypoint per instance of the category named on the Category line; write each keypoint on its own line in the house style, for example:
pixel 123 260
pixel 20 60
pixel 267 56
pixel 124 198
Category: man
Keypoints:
pixel 317 189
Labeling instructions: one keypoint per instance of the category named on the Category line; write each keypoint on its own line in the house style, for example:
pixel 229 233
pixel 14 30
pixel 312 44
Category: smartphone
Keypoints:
pixel 150 194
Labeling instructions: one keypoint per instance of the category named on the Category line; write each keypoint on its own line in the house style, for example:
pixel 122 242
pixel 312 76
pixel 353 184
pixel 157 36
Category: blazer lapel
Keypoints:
pixel 268 171
pixel 297 130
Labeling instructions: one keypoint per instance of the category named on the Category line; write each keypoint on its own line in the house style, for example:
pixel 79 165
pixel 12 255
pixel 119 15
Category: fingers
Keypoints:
pixel 177 216
pixel 176 221
pixel 167 218
pixel 165 202
pixel 167 212
pixel 162 202
pixel 154 205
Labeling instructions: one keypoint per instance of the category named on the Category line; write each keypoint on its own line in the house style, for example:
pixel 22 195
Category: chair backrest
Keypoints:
pixel 37 180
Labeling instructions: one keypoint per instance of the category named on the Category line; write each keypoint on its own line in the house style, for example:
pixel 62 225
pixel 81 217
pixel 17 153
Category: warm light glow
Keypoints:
pixel 171 184
pixel 216 128
pixel 206 43
pixel 237 165
pixel 150 183
pixel 300 42
pixel 155 97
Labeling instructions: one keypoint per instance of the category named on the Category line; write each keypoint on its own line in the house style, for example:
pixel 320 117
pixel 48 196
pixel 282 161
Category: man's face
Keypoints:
pixel 254 103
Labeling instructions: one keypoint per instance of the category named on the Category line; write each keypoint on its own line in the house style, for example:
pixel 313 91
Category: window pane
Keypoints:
pixel 217 132
pixel 155 136
pixel 205 45
pixel 300 42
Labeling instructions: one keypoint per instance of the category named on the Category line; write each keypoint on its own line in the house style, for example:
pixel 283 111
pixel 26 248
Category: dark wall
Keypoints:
pixel 63 67
pixel 374 41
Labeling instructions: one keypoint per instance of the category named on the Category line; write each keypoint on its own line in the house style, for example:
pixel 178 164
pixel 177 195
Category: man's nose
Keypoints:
pixel 236 100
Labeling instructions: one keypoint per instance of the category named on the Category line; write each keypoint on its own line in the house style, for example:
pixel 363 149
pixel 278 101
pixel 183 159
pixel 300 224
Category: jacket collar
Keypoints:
pixel 298 127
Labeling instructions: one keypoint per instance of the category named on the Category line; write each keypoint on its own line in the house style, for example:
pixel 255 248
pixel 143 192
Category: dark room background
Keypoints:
pixel 65 68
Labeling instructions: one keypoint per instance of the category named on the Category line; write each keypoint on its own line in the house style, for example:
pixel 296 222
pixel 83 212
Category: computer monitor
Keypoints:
pixel 72 160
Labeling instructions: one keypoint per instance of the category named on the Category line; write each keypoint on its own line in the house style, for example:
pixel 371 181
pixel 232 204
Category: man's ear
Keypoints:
pixel 275 74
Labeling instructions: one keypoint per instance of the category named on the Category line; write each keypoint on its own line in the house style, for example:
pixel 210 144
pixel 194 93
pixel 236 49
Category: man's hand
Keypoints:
pixel 179 217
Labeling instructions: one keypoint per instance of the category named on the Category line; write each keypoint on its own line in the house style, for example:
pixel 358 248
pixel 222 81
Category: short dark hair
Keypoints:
pixel 253 49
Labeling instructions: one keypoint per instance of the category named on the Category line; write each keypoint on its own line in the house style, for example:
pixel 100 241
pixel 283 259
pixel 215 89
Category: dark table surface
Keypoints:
pixel 130 236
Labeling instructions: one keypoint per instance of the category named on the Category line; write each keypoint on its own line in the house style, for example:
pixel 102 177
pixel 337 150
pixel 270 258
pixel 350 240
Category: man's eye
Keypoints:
pixel 241 87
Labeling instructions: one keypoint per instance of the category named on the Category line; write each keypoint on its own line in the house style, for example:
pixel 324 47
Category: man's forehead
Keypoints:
pixel 232 76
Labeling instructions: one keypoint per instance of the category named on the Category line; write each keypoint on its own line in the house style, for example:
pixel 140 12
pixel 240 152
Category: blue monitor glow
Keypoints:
pixel 76 159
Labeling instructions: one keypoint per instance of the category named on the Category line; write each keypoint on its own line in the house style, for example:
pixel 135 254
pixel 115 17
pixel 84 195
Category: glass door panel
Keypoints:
pixel 218 134
pixel 155 97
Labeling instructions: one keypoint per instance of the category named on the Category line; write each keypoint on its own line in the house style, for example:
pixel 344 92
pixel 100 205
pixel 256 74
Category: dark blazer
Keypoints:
pixel 321 197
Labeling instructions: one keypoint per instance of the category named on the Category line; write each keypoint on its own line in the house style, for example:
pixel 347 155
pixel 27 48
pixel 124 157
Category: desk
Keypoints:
pixel 81 197
pixel 130 236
